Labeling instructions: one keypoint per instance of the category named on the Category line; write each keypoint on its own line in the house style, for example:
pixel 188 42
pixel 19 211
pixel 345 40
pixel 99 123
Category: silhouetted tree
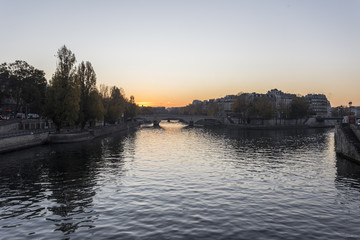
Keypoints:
pixel 264 107
pixel 299 108
pixel 64 93
pixel 144 110
pixel 114 103
pixel 130 108
pixel 86 78
pixel 241 106
pixel 212 109
pixel 4 78
pixel 95 108
pixel 340 111
pixel 24 84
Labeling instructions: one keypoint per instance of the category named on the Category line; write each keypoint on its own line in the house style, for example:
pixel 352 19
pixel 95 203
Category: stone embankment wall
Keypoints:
pixel 98 132
pixel 268 124
pixel 69 137
pixel 9 126
pixel 356 130
pixel 90 134
pixel 347 143
pixel 23 141
pixel 280 123
pixel 313 123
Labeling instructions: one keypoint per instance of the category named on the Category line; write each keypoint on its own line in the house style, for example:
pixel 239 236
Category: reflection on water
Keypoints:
pixel 174 182
pixel 54 184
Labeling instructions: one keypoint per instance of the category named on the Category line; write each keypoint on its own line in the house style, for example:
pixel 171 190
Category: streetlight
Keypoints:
pixel 350 103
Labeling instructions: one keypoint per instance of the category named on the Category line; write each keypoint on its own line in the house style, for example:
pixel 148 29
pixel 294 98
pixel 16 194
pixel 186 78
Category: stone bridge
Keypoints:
pixel 188 119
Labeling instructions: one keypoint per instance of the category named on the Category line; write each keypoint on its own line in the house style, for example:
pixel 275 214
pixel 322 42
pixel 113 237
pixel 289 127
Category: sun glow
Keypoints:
pixel 144 104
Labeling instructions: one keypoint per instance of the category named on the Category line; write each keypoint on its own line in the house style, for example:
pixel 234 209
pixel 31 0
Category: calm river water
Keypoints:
pixel 179 183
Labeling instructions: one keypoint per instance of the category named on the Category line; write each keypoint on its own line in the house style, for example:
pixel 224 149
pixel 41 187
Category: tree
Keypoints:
pixel 144 111
pixel 340 111
pixel 95 108
pixel 241 106
pixel 212 109
pixel 24 84
pixel 264 108
pixel 64 93
pixel 4 81
pixel 86 78
pixel 130 108
pixel 114 103
pixel 299 108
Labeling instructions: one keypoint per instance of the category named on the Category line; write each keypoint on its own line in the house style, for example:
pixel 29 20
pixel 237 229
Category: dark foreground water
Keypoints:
pixel 178 183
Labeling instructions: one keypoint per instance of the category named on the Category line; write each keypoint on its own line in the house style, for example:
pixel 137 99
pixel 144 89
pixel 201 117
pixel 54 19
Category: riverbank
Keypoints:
pixel 32 138
pixel 264 127
pixel 347 142
pixel 273 124
pixel 13 143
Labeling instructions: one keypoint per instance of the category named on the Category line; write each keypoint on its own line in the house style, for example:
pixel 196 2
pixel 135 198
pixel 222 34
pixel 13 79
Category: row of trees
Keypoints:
pixel 24 84
pixel 201 108
pixel 264 107
pixel 70 98
pixel 74 99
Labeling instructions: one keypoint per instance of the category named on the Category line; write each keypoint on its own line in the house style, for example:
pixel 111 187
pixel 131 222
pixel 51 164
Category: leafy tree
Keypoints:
pixel 241 106
pixel 95 107
pixel 212 109
pixel 64 93
pixel 144 111
pixel 299 108
pixel 114 103
pixel 340 111
pixel 130 108
pixel 264 107
pixel 194 109
pixel 283 110
pixel 4 81
pixel 86 78
pixel 24 84
pixel 247 106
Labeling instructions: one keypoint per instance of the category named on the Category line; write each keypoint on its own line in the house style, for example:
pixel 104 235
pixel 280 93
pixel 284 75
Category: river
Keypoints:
pixel 175 182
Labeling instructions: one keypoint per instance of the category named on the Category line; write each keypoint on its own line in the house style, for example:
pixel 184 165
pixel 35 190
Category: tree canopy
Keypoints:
pixel 64 93
pixel 70 99
pixel 299 107
pixel 24 84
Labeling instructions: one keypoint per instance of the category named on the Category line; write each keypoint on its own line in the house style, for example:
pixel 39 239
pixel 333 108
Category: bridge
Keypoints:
pixel 188 119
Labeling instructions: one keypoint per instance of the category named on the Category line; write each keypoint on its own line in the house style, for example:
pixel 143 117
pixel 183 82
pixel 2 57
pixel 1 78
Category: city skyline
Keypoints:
pixel 170 53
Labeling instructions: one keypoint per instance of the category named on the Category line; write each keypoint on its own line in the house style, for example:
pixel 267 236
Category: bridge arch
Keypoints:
pixel 188 119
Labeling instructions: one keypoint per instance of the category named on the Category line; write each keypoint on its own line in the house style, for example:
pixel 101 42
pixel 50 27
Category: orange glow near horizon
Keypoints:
pixel 181 100
pixel 145 104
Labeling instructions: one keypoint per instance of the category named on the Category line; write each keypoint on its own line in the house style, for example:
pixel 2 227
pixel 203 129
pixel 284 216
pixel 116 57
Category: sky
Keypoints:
pixel 168 53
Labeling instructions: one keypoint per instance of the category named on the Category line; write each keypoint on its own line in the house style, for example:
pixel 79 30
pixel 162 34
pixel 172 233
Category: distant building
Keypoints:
pixel 159 109
pixel 356 111
pixel 196 102
pixel 319 104
pixel 227 103
pixel 281 100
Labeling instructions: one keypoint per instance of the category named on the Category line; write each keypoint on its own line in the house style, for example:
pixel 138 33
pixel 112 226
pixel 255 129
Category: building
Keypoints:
pixel 356 111
pixel 281 100
pixel 319 104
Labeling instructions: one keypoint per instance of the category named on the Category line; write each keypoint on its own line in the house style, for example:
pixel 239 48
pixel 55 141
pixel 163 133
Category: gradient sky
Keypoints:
pixel 167 53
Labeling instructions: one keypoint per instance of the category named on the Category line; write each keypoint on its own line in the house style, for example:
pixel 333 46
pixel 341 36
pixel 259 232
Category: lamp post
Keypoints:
pixel 350 104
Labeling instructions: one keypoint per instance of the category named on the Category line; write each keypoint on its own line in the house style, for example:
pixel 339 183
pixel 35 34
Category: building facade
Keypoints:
pixel 319 105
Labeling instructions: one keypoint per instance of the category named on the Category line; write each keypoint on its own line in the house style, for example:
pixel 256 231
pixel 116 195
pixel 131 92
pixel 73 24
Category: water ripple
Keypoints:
pixel 181 183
